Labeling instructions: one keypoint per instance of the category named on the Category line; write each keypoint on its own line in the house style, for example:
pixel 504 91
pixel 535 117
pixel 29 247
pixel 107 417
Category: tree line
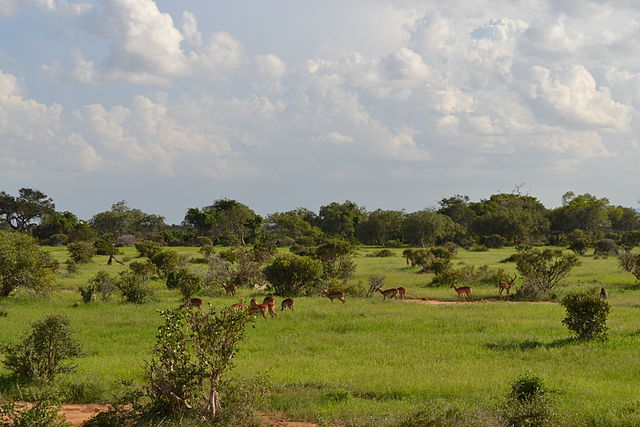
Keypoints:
pixel 581 222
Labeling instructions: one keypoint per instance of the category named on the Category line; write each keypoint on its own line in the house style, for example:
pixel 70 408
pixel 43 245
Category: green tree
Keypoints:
pixel 340 219
pixel 291 275
pixel 290 227
pixel 380 227
pixel 426 228
pixel 458 209
pixel 23 264
pixel 583 212
pixel 226 221
pixel 122 219
pixel 24 212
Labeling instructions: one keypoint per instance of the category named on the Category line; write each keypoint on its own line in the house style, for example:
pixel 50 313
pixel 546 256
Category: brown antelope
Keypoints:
pixel 287 303
pixel 256 308
pixel 230 289
pixel 401 292
pixel 334 295
pixel 193 302
pixel 463 290
pixel 507 284
pixel 269 299
pixel 603 293
pixel 238 306
pixel 389 293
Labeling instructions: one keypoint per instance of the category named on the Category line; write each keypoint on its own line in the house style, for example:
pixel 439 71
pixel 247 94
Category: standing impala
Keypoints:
pixel 230 290
pixel 256 308
pixel 507 284
pixel 401 292
pixel 287 303
pixel 389 293
pixel 334 295
pixel 463 290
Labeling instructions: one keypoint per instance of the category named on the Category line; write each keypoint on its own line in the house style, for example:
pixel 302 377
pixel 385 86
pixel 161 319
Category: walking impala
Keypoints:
pixel 230 290
pixel 401 292
pixel 507 284
pixel 389 293
pixel 334 295
pixel 287 303
pixel 256 308
pixel 463 290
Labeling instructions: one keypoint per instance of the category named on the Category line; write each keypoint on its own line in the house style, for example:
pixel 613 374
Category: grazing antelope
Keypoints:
pixel 237 306
pixel 389 293
pixel 603 293
pixel 256 308
pixel 287 303
pixel 334 295
pixel 507 284
pixel 193 302
pixel 463 290
pixel 401 292
pixel 269 299
pixel 230 290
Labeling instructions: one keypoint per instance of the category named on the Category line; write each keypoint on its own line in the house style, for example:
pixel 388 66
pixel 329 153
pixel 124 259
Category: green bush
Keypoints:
pixel 494 241
pixel 203 241
pixel 291 275
pixel 72 266
pixel 43 412
pixel 134 287
pixel 105 247
pixel 528 403
pixel 605 247
pixel 586 315
pixel 166 261
pixel 42 354
pixel 24 265
pixel 189 283
pixel 81 252
pixel 58 240
pixel 104 283
pixel 147 248
pixel 382 253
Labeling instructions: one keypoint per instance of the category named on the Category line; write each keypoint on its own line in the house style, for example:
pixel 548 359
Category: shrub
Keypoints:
pixel 528 403
pixel 375 282
pixel 206 250
pixel 71 265
pixel 579 246
pixel 104 283
pixel 127 240
pixel 58 239
pixel 478 248
pixel 606 247
pixel 630 263
pixel 542 270
pixel 436 260
pixel 189 283
pixel 42 354
pixel 167 261
pixel 586 315
pixel 134 287
pixel 382 253
pixel 88 294
pixel 203 241
pixel 81 252
pixel 292 274
pixel 105 247
pixel 43 412
pixel 143 269
pixel 147 248
pixel 494 241
pixel 24 265
pixel 630 239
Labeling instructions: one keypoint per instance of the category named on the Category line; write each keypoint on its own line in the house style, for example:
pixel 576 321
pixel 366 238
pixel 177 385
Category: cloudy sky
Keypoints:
pixel 286 103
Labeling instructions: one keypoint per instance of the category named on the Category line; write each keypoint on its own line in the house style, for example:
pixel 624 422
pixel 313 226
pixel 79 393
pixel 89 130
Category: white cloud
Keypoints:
pixel 8 7
pixel 271 67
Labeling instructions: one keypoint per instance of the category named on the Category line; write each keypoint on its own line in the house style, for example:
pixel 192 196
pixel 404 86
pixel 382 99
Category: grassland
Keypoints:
pixel 373 362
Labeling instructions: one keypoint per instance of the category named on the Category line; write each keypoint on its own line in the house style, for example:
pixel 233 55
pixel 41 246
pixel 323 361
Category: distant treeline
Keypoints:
pixel 582 221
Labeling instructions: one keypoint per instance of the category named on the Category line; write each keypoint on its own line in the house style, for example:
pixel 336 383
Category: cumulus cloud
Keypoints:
pixel 8 7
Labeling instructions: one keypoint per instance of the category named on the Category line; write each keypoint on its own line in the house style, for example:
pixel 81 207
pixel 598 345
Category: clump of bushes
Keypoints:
pixel 470 274
pixel 43 412
pixel 43 353
pixel 586 315
pixel 147 248
pixel 186 281
pixel 605 247
pixel 630 262
pixel 528 403
pixel 382 253
pixel 134 287
pixel 167 261
pixel 81 252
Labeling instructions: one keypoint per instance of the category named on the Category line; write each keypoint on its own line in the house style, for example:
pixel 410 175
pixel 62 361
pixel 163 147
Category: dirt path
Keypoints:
pixel 426 301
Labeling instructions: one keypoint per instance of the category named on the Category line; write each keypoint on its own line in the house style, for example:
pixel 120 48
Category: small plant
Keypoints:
pixel 586 315
pixel 81 252
pixel 167 261
pixel 104 283
pixel 42 354
pixel 88 294
pixel 375 282
pixel 43 412
pixel 528 403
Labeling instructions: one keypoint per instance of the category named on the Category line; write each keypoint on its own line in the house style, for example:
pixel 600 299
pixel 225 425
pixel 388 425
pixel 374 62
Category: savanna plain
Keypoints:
pixel 369 361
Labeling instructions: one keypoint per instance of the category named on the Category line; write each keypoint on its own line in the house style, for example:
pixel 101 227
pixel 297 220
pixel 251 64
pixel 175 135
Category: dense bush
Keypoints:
pixel 104 283
pixel 147 248
pixel 586 315
pixel 528 403
pixel 134 287
pixel 81 252
pixel 605 247
pixel 57 240
pixel 494 241
pixel 382 253
pixel 542 270
pixel 105 247
pixel 630 239
pixel 167 261
pixel 630 263
pixel 186 281
pixel 71 265
pixel 291 275
pixel 24 265
pixel 470 274
pixel 44 412
pixel 42 354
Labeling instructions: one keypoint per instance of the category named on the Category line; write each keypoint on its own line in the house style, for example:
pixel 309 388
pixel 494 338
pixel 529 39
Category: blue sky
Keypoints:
pixel 281 104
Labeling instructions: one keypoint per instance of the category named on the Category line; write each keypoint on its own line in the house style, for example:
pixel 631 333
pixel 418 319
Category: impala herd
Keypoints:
pixel 269 303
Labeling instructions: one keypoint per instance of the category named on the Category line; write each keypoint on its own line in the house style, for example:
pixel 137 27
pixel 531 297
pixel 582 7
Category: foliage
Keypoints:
pixel 291 275
pixel 605 247
pixel 382 253
pixel 22 213
pixel 630 262
pixel 167 261
pixel 425 228
pixel 290 227
pixel 42 413
pixel 541 270
pixel 528 403
pixel 434 260
pixel 105 247
pixel 88 294
pixel 380 227
pixel 186 281
pixel 134 287
pixel 104 283
pixel 72 266
pixel 340 219
pixel 23 265
pixel 225 221
pixel 586 315
pixel 122 219
pixel 583 212
pixel 193 350
pixel 375 282
pixel 494 241
pixel 81 252
pixel 147 248
pixel 630 239
pixel 470 274
pixel 42 354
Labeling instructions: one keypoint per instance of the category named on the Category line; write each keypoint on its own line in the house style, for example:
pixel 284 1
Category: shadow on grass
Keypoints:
pixel 511 345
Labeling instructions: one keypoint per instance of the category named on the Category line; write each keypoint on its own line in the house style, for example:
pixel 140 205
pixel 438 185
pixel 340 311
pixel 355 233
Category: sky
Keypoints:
pixel 283 104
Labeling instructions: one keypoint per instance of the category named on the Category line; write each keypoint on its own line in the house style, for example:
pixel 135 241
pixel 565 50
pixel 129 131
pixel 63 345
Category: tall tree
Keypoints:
pixel 227 221
pixel 122 219
pixel 380 226
pixel 340 219
pixel 424 228
pixel 24 212
pixel 583 212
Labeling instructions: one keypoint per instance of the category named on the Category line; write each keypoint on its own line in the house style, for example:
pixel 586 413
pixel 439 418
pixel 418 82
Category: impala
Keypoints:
pixel 389 293
pixel 334 295
pixel 230 289
pixel 507 284
pixel 256 308
pixel 269 299
pixel 401 292
pixel 193 302
pixel 287 303
pixel 603 293
pixel 238 306
pixel 463 290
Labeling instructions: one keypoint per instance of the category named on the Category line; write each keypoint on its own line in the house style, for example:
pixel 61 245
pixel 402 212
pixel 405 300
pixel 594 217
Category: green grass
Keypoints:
pixel 367 361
